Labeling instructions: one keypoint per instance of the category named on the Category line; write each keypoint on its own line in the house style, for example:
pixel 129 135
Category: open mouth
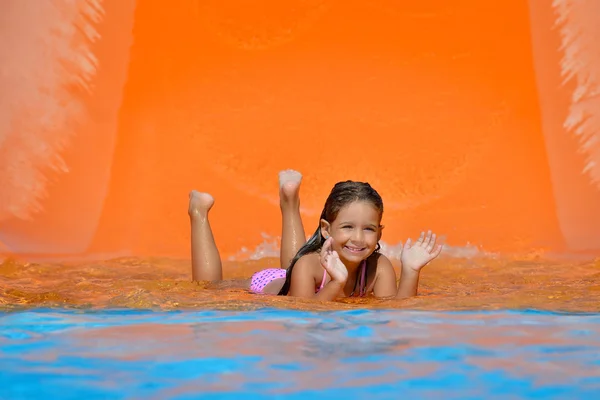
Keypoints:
pixel 354 249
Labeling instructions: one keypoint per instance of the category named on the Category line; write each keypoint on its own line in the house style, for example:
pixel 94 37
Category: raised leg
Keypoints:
pixel 292 230
pixel 206 261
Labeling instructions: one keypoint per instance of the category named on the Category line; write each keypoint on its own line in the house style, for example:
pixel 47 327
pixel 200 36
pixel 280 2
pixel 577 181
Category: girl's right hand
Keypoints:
pixel 330 260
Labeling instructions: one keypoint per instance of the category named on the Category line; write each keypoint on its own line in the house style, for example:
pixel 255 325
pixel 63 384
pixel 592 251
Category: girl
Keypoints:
pixel 340 259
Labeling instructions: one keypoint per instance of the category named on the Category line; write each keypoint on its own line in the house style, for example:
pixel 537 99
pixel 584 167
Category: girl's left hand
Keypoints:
pixel 416 256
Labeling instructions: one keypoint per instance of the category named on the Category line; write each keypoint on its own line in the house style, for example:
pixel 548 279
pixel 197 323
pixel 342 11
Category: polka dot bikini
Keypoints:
pixel 264 277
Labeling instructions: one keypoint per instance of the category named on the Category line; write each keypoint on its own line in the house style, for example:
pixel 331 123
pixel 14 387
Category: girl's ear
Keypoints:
pixel 380 232
pixel 325 229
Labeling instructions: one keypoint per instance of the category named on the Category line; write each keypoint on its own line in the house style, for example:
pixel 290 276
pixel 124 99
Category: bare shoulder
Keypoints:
pixel 384 268
pixel 309 264
pixel 304 276
pixel 384 263
pixel 384 284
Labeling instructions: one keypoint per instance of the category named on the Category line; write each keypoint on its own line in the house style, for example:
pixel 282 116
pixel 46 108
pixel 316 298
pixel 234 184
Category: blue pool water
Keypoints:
pixel 296 355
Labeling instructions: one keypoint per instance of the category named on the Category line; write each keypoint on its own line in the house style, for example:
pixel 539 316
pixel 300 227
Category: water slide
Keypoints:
pixel 478 119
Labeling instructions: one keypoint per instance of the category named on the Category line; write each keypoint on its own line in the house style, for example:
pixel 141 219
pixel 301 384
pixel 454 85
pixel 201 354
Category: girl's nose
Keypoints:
pixel 358 235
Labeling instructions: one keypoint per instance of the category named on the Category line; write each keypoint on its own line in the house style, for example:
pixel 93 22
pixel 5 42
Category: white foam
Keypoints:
pixel 270 247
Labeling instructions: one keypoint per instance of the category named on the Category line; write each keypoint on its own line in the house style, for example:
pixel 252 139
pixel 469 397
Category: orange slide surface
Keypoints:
pixel 462 114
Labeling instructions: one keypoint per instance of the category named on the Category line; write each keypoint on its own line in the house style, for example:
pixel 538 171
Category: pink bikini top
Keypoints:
pixel 362 288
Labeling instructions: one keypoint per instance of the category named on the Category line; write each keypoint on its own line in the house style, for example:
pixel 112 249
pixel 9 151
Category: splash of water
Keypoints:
pixel 47 69
pixel 270 247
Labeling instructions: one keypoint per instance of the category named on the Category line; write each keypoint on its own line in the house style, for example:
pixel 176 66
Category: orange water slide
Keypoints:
pixel 458 112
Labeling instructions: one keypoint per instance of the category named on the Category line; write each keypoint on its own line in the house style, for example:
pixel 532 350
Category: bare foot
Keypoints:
pixel 289 187
pixel 200 204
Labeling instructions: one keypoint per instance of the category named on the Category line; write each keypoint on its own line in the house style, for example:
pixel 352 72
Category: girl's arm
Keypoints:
pixel 385 281
pixel 409 283
pixel 414 257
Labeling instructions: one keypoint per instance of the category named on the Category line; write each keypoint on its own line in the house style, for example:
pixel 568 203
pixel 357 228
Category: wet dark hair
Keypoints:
pixel 342 194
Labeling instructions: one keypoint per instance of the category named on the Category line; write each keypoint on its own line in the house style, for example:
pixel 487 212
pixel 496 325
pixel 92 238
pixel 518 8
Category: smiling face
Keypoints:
pixel 355 231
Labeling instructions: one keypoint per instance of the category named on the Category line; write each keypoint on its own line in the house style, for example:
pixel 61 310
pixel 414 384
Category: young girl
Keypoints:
pixel 340 259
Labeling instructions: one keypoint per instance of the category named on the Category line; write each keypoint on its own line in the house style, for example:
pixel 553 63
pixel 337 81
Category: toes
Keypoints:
pixel 200 201
pixel 289 176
